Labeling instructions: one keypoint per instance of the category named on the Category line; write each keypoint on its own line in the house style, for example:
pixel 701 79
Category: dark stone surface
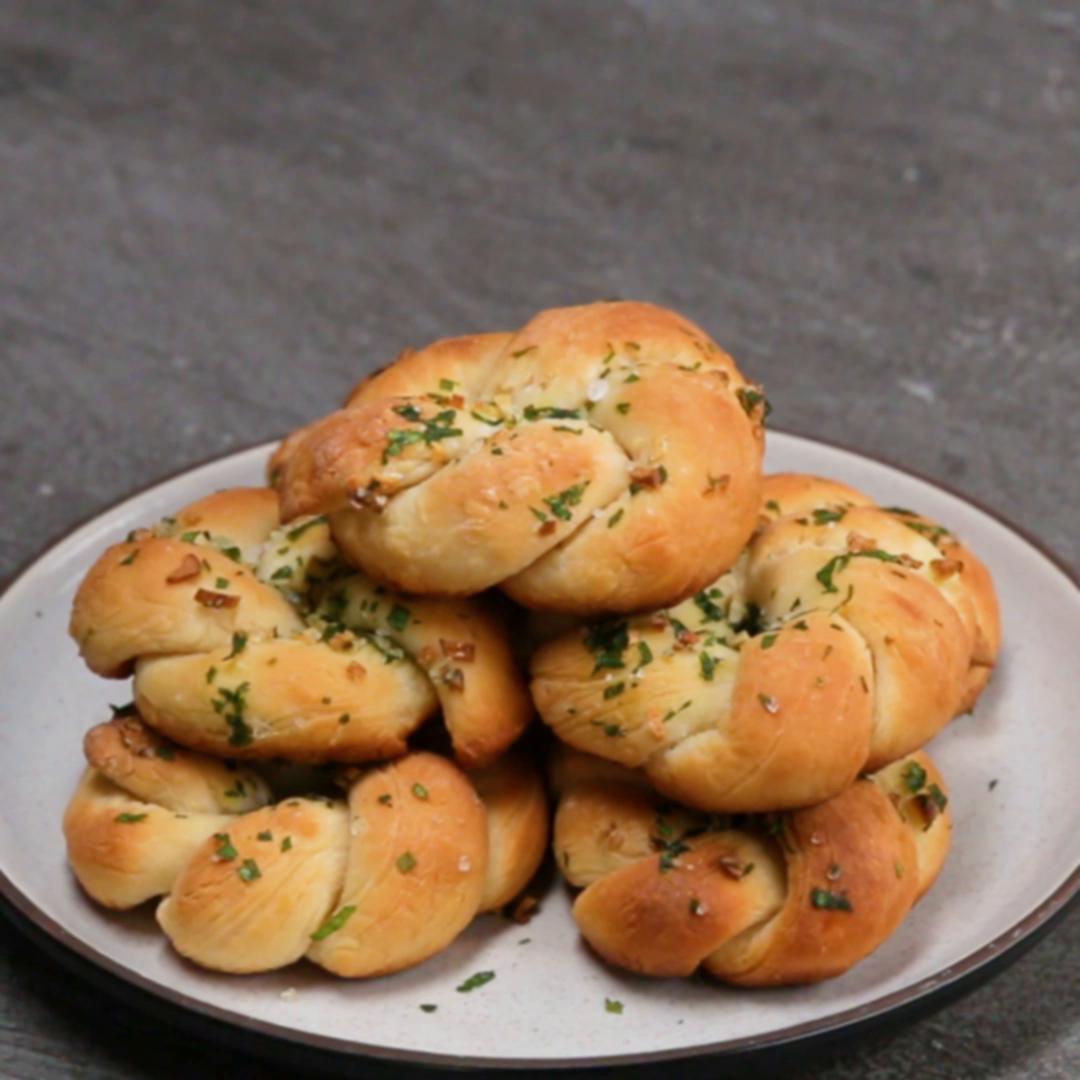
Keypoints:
pixel 213 217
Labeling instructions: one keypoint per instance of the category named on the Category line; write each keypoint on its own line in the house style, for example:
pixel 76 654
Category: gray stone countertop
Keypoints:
pixel 215 217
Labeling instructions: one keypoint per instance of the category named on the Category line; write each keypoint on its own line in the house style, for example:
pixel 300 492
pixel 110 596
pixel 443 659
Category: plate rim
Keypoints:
pixel 989 959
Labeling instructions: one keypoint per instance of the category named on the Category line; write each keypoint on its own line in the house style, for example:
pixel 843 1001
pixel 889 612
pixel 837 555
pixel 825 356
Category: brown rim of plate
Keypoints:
pixel 993 956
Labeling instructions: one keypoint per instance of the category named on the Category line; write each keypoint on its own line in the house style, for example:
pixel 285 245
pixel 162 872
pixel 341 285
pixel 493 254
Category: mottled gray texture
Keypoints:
pixel 214 217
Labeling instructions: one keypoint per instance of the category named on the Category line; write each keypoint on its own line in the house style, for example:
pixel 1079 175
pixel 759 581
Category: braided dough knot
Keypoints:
pixel 602 458
pixel 846 637
pixel 362 887
pixel 758 900
pixel 253 640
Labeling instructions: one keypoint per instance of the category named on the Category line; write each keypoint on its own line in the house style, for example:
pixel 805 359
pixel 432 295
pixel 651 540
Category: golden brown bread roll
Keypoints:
pixel 363 887
pixel 253 640
pixel 568 463
pixel 767 900
pixel 842 640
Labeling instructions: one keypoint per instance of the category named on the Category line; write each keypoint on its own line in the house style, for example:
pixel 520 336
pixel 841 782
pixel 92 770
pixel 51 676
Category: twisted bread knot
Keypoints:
pixel 783 898
pixel 845 638
pixel 363 887
pixel 253 640
pixel 603 458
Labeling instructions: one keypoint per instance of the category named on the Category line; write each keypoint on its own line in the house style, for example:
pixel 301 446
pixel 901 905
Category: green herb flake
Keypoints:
pixel 265 836
pixel 708 666
pixel 225 852
pixel 282 573
pixel 239 643
pixel 550 412
pixel 825 516
pixel 614 690
pixel 129 819
pixel 774 506
pixel 399 617
pixel 474 982
pixel 334 923
pixel 616 518
pixel 294 534
pixel 428 1008
pixel 750 399
pixel 914 776
pixel 420 791
pixel 249 871
pixel 130 558
pixel 231 705
pixel 838 562
pixel 611 1005
pixel 447 384
pixel 623 407
pixel 560 504
pixel 386 798
pixel 768 641
pixel 705 602
pixel 406 862
pixel 645 654
pixel 824 900
pixel 286 844
pixel 607 641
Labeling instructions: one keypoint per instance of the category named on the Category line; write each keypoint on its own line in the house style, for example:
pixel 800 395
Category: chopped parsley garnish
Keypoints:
pixel 750 399
pixel 645 655
pixel 399 617
pixel 612 731
pixel 705 601
pixel 550 412
pixel 130 558
pixel 231 705
pixel 768 641
pixel 608 641
pixel 559 504
pixel 420 791
pixel 386 798
pixel 428 1008
pixel 696 906
pixel 839 562
pixel 344 718
pixel 286 844
pixel 914 776
pixel 334 923
pixel 708 666
pixel 124 710
pixel 623 407
pixel 447 385
pixel 406 862
pixel 614 690
pixel 239 642
pixel 281 573
pixel 473 982
pixel 937 796
pixel 616 518
pixel 248 871
pixel 433 430
pixel 611 1005
pixel 670 850
pixel 825 900
pixel 265 835
pixel 824 516
pixel 934 533
pixel 294 534
pixel 225 851
pixel 221 583
pixel 129 819
pixel 774 506
pixel 166 753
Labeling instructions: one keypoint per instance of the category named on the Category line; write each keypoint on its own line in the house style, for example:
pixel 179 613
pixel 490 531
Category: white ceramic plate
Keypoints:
pixel 1013 866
